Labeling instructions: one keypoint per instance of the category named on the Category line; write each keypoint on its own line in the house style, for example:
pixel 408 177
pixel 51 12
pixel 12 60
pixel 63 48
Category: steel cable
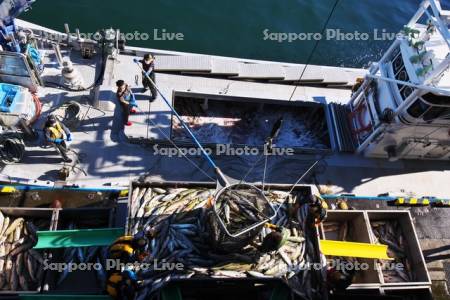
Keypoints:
pixel 315 47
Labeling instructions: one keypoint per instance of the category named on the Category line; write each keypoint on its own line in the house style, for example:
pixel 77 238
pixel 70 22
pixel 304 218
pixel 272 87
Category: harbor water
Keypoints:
pixel 358 32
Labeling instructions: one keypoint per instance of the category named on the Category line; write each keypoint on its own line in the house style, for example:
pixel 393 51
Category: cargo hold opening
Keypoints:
pixel 245 121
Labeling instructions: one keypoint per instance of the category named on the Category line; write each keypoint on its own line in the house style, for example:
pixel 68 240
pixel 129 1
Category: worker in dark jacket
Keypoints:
pixel 123 284
pixel 57 134
pixel 339 279
pixel 148 65
pixel 130 249
pixel 126 99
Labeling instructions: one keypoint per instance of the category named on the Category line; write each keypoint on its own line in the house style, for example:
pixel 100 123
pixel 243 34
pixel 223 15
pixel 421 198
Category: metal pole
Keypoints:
pixel 78 34
pixel 208 158
pixel 418 86
pixel 443 29
pixel 66 28
pixel 423 6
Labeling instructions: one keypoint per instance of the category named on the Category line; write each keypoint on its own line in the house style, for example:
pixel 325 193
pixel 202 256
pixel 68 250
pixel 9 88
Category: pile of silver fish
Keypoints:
pixel 222 125
pixel 241 208
pixel 390 233
pixel 82 255
pixel 21 267
pixel 177 218
pixel 151 205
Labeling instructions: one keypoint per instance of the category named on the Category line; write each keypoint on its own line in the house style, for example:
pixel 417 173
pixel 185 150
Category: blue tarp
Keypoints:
pixel 8 96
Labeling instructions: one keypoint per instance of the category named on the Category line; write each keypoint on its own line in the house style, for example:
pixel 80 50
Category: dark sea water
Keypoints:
pixel 237 28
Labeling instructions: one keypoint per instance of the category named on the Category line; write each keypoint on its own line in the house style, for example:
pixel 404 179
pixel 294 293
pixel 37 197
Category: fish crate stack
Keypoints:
pixel 176 213
pixel 393 228
pixel 352 226
pixel 396 229
pixel 22 268
pixel 91 280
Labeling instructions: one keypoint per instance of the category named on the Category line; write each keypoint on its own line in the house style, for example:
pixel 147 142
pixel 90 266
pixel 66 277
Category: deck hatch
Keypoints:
pixel 246 121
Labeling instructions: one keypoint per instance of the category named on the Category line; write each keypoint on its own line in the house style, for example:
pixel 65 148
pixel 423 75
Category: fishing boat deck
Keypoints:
pixel 106 157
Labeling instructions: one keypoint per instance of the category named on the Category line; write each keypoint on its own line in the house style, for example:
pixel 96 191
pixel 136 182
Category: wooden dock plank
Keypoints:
pixel 167 63
pixel 334 76
pixel 312 73
pixel 225 67
pixel 260 71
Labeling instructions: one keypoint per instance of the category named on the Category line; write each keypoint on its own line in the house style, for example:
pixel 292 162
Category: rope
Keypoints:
pixel 315 47
pixel 264 173
pixel 179 150
pixel 292 94
pixel 298 181
pixel 251 169
pixel 295 88
pixel 12 150
pixel 148 117
pixel 425 136
pixel 305 173
pixel 264 154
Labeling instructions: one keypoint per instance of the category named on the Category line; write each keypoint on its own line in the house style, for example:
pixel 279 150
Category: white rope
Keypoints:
pixel 264 173
pixel 297 182
pixel 251 169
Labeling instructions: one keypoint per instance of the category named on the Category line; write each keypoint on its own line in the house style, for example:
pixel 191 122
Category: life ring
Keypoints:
pixel 358 114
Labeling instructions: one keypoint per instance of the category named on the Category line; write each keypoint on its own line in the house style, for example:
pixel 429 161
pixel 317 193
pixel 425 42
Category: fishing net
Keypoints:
pixel 237 216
